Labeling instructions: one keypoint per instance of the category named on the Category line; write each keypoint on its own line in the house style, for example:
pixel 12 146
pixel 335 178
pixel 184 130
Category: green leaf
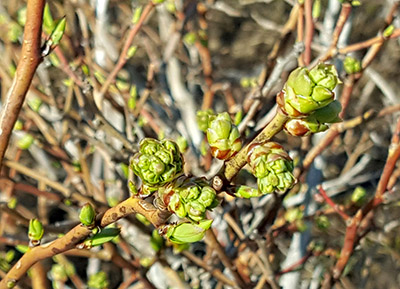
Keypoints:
pixel 57 32
pixel 104 236
pixel 188 232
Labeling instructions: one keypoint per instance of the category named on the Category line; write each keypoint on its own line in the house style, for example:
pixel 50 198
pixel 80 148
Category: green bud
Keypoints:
pixel 244 192
pixel 10 255
pixel 223 137
pixel 19 125
pixel 190 38
pixel 351 65
pixel 35 103
pixel 306 91
pixel 131 52
pixel 22 248
pixel 137 14
pixel 98 280
pixel 293 214
pixel 272 167
pixel 182 144
pixel 203 119
pixel 322 222
pixel 238 117
pixel 25 141
pixel 35 231
pixel 11 284
pixel 87 215
pixel 57 32
pixel 359 195
pixel 12 203
pixel 21 17
pixel 195 211
pixel 188 232
pixel 104 236
pixel 156 241
pixel 132 188
pixel 157 163
pixel 316 11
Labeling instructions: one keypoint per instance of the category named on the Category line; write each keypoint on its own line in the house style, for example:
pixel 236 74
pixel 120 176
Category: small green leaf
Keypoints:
pixel 48 22
pixel 137 14
pixel 388 31
pixel 57 32
pixel 188 232
pixel 106 235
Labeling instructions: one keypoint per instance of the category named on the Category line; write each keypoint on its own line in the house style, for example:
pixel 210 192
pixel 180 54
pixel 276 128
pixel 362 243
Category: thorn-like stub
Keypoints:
pixel 217 183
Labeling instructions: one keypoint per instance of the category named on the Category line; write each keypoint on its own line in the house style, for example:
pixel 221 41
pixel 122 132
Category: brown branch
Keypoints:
pixel 309 31
pixel 29 61
pixel 344 15
pixel 79 233
pixel 233 166
pixel 213 242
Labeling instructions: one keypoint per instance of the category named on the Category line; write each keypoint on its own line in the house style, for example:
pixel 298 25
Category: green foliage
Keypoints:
pixel 188 232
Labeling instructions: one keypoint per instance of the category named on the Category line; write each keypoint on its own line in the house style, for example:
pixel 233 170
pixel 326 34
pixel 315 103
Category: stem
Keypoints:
pixel 309 31
pixel 29 61
pixel 79 233
pixel 233 166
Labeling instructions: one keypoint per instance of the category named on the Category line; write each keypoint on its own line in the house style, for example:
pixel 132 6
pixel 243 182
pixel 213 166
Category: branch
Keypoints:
pixel 233 166
pixel 29 61
pixel 78 234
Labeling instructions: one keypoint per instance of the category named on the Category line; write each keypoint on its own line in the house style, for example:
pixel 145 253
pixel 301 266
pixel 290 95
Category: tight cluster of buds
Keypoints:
pixel 188 198
pixel 308 99
pixel 272 167
pixel 157 163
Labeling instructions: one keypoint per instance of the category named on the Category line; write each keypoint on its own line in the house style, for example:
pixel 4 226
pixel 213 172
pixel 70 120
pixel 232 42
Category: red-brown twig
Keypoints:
pixel 309 31
pixel 351 238
pixel 29 61
pixel 344 15
pixel 123 58
pixel 331 203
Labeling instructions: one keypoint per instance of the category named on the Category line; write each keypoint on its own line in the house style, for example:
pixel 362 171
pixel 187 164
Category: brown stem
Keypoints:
pixel 309 31
pixel 79 233
pixel 29 61
pixel 331 203
pixel 213 242
pixel 344 15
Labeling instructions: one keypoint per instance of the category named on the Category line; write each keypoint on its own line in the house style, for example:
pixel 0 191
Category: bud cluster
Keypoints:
pixel 272 167
pixel 188 198
pixel 308 99
pixel 157 163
